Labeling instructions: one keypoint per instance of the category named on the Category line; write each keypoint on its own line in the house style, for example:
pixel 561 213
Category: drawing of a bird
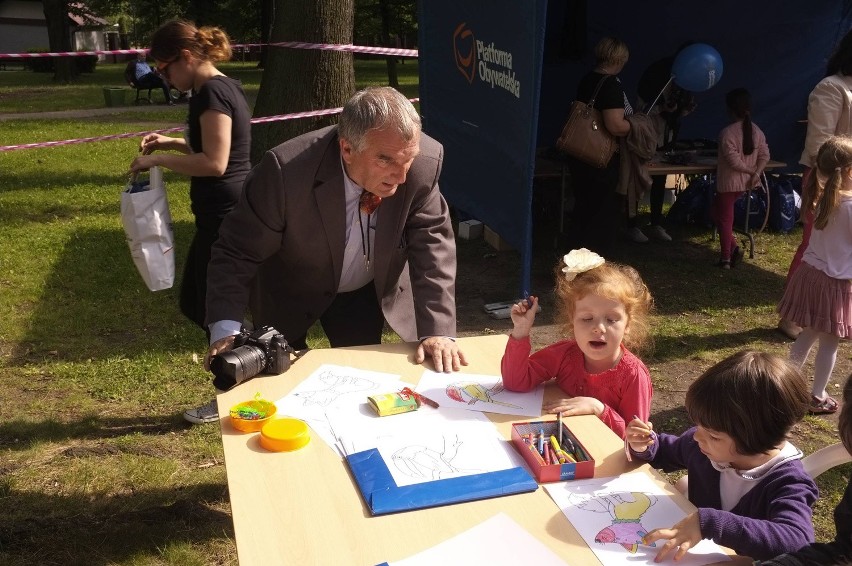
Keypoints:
pixel 471 392
pixel 626 528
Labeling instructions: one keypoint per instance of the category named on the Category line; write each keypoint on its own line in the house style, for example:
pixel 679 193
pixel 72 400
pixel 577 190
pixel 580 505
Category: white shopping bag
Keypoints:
pixel 148 225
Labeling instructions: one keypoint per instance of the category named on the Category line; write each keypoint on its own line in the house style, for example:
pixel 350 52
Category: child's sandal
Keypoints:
pixel 825 406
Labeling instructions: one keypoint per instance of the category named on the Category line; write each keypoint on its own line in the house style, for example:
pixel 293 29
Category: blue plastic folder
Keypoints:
pixel 382 495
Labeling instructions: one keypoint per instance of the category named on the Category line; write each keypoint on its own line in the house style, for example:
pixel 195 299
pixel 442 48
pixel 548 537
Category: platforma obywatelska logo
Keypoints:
pixel 464 50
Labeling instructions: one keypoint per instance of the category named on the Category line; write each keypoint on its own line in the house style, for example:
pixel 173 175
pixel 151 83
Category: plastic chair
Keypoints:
pixel 815 464
pixel 826 458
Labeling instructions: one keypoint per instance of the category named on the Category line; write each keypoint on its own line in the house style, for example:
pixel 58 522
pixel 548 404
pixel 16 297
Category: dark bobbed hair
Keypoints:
pixel 739 103
pixel 753 397
pixel 840 61
pixel 844 423
pixel 616 282
pixel 206 44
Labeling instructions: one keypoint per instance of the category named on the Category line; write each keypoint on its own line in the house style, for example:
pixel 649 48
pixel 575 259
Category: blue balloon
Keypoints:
pixel 697 67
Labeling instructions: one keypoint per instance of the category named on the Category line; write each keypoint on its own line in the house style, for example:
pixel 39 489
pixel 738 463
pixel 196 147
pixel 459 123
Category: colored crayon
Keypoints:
pixel 536 455
pixel 559 424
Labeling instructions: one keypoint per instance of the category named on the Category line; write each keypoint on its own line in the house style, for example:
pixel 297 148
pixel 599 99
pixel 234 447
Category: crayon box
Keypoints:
pixel 522 433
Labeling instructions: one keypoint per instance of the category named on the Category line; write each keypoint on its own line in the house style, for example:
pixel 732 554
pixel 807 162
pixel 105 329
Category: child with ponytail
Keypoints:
pixel 743 153
pixel 818 296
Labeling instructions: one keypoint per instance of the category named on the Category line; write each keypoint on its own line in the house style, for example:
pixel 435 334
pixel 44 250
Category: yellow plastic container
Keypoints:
pixel 254 407
pixel 284 435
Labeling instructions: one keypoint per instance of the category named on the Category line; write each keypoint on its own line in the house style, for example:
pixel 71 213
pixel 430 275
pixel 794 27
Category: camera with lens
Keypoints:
pixel 264 350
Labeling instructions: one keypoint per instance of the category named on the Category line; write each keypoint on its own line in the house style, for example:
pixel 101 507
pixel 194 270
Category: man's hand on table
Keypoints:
pixel 445 353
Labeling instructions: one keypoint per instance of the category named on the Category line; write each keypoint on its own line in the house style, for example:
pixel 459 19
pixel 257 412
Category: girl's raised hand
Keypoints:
pixel 639 435
pixel 523 316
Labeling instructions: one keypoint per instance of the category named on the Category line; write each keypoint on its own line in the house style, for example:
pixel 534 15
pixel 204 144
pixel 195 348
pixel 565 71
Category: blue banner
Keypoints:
pixel 480 74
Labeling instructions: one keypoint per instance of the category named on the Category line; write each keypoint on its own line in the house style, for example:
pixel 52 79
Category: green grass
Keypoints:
pixel 96 464
pixel 26 91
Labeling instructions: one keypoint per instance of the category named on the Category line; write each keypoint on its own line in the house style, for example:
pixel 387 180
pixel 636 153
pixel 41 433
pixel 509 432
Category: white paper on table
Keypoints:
pixel 337 389
pixel 428 445
pixel 612 515
pixel 479 393
pixel 498 541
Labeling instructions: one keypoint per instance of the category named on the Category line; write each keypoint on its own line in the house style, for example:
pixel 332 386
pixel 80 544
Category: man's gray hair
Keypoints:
pixel 377 108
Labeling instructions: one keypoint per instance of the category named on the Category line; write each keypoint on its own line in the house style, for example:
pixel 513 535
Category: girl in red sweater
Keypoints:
pixel 605 309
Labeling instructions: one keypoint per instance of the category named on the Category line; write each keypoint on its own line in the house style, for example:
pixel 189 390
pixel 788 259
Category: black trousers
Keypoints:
pixel 193 289
pixel 153 81
pixel 354 318
pixel 658 195
pixel 598 210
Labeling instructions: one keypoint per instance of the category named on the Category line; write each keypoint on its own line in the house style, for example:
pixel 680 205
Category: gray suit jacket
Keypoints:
pixel 284 242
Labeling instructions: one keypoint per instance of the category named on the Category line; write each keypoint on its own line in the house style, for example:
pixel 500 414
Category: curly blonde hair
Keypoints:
pixel 613 281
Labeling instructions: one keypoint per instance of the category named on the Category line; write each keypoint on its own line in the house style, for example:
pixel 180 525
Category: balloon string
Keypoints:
pixel 665 86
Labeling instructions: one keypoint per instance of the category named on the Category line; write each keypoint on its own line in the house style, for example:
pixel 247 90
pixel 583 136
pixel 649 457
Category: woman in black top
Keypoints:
pixel 214 151
pixel 597 207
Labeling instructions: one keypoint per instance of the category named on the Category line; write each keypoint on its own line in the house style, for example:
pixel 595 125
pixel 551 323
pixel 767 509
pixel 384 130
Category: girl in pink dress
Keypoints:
pixel 605 309
pixel 818 296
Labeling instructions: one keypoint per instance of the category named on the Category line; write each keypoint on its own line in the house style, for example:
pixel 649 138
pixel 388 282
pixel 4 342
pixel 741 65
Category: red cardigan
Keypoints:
pixel 625 390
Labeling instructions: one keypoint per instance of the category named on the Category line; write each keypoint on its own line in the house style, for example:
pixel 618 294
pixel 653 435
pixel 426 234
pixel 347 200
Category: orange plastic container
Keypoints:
pixel 284 435
pixel 246 416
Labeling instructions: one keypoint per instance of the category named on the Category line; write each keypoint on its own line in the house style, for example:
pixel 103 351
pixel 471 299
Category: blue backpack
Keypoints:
pixel 784 201
pixel 756 210
pixel 694 202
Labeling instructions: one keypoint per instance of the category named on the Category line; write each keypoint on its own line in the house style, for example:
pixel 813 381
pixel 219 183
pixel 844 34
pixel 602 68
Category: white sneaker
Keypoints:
pixel 637 236
pixel 208 413
pixel 659 233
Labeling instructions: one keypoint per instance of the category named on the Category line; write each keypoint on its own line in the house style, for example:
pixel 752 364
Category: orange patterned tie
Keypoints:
pixel 369 202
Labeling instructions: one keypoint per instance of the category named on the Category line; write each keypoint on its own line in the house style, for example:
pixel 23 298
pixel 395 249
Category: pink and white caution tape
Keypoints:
pixel 290 44
pixel 281 117
pixel 72 53
pixel 348 47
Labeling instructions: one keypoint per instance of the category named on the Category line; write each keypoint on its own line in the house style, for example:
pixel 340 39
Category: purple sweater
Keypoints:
pixel 774 517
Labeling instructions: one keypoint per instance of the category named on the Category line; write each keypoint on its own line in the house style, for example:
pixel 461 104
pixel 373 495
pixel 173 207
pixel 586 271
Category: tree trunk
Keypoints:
pixel 267 8
pixel 297 80
pixel 59 38
pixel 384 10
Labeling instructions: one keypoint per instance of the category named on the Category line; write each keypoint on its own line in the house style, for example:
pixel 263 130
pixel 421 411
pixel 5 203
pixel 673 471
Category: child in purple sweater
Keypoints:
pixel 838 551
pixel 747 481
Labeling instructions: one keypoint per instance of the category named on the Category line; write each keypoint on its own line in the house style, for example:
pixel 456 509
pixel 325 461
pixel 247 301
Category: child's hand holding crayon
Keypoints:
pixel 639 434
pixel 523 316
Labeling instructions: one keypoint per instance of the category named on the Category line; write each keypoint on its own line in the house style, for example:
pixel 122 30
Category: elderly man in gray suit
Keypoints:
pixel 344 225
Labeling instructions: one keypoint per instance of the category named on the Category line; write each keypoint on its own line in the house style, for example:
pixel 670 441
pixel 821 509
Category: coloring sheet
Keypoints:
pixel 335 389
pixel 499 541
pixel 428 445
pixel 613 514
pixel 483 393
